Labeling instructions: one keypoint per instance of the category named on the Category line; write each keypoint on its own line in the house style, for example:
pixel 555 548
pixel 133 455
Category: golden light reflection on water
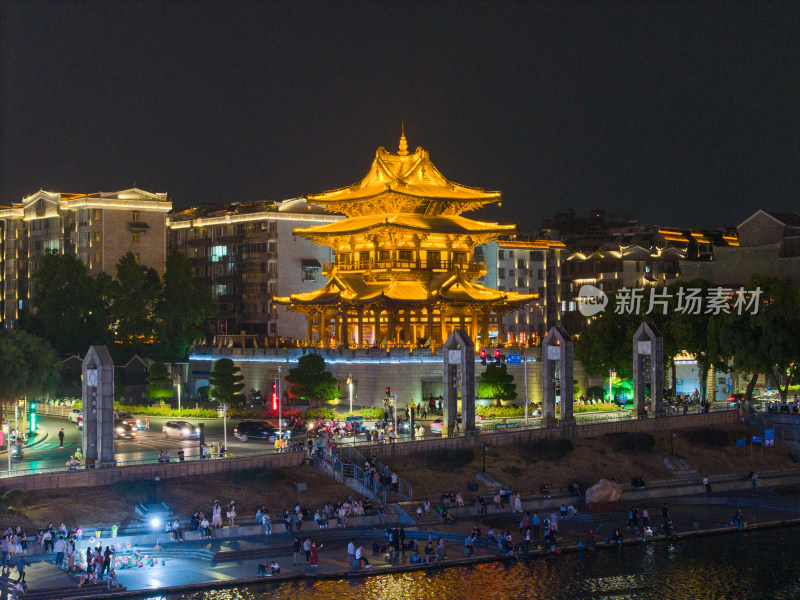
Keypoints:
pixel 760 565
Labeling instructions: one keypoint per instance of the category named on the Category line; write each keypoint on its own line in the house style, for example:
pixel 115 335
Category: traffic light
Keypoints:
pixel 388 391
pixel 483 356
pixel 498 357
pixel 33 416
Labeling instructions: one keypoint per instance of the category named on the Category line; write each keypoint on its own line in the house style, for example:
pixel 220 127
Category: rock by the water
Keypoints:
pixel 604 491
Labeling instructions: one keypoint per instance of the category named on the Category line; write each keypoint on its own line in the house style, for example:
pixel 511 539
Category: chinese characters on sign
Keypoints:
pixel 690 301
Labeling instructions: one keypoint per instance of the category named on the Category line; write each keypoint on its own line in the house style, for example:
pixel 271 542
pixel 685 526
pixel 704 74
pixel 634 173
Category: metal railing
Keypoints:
pixel 408 265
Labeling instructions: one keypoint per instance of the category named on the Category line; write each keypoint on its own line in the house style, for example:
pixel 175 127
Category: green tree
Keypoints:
pixel 496 382
pixel 183 308
pixel 778 321
pixel 606 344
pixel 159 382
pixel 135 293
pixel 226 383
pixel 29 366
pixel 310 381
pixel 70 308
pixel 694 331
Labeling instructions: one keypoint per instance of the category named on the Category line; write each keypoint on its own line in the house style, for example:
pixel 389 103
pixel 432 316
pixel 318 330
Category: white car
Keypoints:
pixel 76 416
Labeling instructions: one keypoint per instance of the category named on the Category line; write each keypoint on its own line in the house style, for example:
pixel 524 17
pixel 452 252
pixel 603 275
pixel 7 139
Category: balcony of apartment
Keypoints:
pixel 226 240
pixel 198 242
pixel 408 266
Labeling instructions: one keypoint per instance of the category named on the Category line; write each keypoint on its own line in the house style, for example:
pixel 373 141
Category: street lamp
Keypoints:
pixel 350 387
pixel 612 374
pixel 176 381
pixel 222 411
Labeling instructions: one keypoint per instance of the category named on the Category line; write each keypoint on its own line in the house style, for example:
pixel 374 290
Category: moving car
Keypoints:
pixel 123 429
pixel 124 415
pixel 180 429
pixel 255 430
pixel 76 416
pixel 437 425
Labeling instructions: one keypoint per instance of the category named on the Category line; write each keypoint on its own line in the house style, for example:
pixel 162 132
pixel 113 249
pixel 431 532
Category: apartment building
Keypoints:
pixel 247 252
pixel 98 228
pixel 526 267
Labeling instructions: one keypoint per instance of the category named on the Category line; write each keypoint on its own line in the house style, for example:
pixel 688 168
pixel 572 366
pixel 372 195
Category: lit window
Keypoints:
pixel 97 214
pixel 136 258
pixel 136 216
pixel 95 258
pixel 95 236
pixel 135 237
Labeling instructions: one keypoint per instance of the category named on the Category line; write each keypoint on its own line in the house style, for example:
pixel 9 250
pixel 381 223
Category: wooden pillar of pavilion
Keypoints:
pixel 429 332
pixel 501 336
pixel 360 326
pixel 443 325
pixel 485 328
pixel 343 341
pixel 407 325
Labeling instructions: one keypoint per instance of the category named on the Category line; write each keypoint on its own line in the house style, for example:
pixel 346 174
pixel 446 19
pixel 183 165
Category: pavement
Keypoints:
pixel 232 559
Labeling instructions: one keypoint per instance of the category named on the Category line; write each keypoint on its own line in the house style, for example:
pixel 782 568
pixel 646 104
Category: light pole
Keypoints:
pixel 278 391
pixel 527 400
pixel 350 387
pixel 611 375
pixel 176 380
pixel 222 411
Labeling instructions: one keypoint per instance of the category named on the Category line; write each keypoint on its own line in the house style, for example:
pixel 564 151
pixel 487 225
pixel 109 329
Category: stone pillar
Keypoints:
pixel 459 352
pixel 557 350
pixel 648 342
pixel 98 407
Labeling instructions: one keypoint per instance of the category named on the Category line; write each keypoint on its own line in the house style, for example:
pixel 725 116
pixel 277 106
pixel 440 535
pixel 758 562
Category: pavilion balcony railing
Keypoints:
pixel 405 265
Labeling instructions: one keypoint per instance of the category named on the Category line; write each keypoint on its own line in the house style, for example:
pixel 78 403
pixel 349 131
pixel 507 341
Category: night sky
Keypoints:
pixel 674 113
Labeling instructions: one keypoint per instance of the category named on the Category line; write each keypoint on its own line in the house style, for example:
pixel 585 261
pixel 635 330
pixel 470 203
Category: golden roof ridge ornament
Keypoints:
pixel 403 151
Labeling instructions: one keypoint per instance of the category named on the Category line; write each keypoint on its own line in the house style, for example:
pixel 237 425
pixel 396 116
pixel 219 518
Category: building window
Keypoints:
pixel 405 255
pixel 95 259
pixel 501 255
pixel 136 257
pixel 95 236
pixel 97 214
pixel 136 216
pixel 501 273
pixel 135 237
pixel 537 255
pixel 520 263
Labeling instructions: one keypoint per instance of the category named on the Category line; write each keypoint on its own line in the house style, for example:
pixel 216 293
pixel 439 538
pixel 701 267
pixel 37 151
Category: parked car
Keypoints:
pixel 124 415
pixel 255 430
pixel 733 398
pixel 76 416
pixel 123 429
pixel 180 429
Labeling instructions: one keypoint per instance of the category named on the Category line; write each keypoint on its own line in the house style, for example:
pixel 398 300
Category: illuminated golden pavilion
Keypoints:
pixel 404 273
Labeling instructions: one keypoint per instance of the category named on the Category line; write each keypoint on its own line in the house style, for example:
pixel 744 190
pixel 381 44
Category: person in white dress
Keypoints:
pixel 216 515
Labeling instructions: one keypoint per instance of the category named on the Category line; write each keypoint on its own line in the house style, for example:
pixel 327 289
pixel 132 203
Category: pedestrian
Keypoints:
pixel 645 518
pixel 59 548
pixel 216 515
pixel 307 550
pixel 707 484
pixel 231 514
pixel 61 438
pixel 535 521
pixel 295 551
pixel 754 479
pixel 351 553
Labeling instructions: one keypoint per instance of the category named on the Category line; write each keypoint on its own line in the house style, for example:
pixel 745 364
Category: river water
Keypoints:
pixel 738 566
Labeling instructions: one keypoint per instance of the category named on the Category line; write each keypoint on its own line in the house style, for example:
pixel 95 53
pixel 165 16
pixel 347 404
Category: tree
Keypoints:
pixel 29 366
pixel 226 383
pixel 135 293
pixel 496 382
pixel 70 308
pixel 310 381
pixel 183 308
pixel 694 332
pixel 778 321
pixel 159 383
pixel 606 344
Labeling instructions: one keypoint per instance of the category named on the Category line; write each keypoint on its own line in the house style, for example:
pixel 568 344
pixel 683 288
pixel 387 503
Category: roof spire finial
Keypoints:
pixel 403 144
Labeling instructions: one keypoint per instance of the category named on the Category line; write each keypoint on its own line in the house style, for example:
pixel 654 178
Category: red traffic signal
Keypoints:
pixel 498 357
pixel 388 391
pixel 483 356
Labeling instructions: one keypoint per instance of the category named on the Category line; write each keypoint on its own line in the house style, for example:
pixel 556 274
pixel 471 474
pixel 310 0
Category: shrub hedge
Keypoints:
pixel 550 450
pixel 632 443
